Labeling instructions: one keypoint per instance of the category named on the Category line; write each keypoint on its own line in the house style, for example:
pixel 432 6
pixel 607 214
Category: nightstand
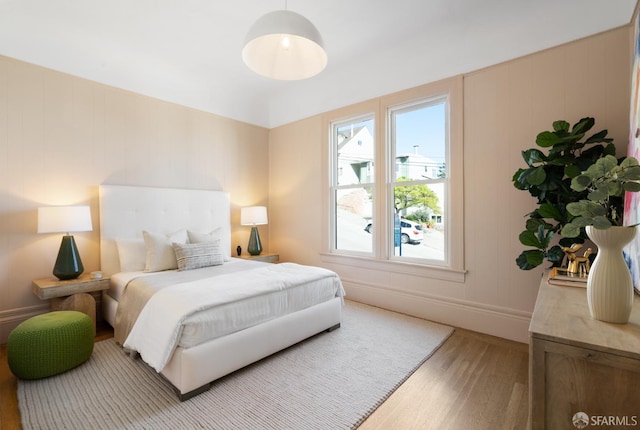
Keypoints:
pixel 72 294
pixel 267 257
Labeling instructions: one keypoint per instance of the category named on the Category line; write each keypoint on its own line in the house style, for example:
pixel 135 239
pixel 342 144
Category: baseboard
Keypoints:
pixel 493 320
pixel 9 319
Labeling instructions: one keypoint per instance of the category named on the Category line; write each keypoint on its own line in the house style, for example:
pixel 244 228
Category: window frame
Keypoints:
pixel 335 186
pixel 382 259
pixel 392 172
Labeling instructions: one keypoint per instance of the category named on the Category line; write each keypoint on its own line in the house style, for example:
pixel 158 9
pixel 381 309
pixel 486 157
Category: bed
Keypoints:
pixel 309 300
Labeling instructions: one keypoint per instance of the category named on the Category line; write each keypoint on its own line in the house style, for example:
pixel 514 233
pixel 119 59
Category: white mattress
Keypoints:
pixel 119 281
pixel 232 317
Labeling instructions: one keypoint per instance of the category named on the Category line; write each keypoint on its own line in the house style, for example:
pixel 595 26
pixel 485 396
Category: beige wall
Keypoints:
pixel 295 192
pixel 61 137
pixel 505 106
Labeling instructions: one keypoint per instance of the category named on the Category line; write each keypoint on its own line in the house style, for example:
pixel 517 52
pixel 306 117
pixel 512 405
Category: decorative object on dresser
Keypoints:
pixel 71 294
pixel 609 287
pixel 547 177
pixel 561 276
pixel 575 264
pixel 65 219
pixel 254 216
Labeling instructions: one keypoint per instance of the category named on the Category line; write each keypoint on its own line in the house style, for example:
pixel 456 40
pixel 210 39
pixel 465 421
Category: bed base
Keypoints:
pixel 206 387
pixel 191 371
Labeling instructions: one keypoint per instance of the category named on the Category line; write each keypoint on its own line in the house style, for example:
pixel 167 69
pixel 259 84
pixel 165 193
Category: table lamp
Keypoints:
pixel 65 219
pixel 254 216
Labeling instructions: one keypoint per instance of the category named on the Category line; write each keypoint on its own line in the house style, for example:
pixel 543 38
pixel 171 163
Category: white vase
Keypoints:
pixel 609 286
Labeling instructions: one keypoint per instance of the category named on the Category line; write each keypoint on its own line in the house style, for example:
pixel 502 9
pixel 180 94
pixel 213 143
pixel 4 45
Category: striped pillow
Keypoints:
pixel 196 255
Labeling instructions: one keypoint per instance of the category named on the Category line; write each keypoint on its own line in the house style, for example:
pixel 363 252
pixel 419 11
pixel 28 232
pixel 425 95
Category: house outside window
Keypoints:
pixel 418 140
pixel 352 191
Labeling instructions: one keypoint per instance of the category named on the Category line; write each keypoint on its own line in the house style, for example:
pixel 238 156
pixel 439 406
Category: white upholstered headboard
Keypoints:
pixel 126 210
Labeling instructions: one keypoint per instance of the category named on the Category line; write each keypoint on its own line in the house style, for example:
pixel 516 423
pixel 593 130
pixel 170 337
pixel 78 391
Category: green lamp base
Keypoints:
pixel 68 264
pixel 255 247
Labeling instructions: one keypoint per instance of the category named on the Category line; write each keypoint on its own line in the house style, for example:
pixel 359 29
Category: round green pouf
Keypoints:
pixel 48 344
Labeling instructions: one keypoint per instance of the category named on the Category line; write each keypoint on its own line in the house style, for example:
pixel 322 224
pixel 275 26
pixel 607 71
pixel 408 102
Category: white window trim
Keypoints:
pixel 381 258
pixel 391 179
pixel 333 161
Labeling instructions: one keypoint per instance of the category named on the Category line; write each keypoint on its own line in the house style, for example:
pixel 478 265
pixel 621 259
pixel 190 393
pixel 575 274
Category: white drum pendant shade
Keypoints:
pixel 284 45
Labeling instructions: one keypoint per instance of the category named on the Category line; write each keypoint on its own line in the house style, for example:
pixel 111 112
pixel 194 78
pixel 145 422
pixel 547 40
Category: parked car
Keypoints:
pixel 411 232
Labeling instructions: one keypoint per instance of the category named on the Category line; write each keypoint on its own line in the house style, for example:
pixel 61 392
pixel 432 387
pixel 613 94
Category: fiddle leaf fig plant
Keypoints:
pixel 561 155
pixel 606 182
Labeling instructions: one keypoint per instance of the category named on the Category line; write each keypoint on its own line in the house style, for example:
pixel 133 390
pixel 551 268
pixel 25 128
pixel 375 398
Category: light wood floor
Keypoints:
pixel 473 381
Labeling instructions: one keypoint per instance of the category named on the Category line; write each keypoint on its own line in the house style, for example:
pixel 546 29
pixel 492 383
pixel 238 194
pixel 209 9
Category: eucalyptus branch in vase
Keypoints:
pixel 606 182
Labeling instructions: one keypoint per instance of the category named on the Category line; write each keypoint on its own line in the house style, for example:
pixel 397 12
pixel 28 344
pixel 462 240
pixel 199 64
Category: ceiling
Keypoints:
pixel 189 51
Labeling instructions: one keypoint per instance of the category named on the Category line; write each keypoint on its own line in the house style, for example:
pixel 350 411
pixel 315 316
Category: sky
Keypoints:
pixel 424 127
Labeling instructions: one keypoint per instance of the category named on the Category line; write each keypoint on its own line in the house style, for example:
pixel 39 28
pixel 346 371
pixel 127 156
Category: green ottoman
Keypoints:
pixel 49 344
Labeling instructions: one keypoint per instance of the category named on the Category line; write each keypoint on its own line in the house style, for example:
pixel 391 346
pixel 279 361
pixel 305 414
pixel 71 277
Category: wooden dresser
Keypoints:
pixel 578 364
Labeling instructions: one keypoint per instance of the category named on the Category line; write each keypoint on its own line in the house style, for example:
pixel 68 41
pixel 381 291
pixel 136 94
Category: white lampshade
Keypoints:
pixel 284 45
pixel 64 219
pixel 253 215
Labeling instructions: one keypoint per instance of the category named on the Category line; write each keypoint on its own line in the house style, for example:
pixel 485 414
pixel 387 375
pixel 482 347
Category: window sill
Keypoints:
pixel 408 268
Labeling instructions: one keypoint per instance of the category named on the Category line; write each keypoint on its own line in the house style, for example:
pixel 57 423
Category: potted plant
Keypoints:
pixel 562 154
pixel 609 285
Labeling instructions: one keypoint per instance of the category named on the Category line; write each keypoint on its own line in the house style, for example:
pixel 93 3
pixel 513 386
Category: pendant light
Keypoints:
pixel 284 45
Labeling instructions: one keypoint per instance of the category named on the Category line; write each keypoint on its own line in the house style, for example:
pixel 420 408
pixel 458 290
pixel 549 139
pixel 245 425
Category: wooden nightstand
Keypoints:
pixel 72 294
pixel 267 257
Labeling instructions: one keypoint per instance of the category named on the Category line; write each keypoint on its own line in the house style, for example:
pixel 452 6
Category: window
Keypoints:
pixel 353 188
pixel 409 209
pixel 418 142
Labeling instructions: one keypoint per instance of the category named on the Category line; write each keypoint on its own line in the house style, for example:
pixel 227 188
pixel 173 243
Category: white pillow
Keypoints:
pixel 196 255
pixel 216 233
pixel 204 237
pixel 160 254
pixel 132 254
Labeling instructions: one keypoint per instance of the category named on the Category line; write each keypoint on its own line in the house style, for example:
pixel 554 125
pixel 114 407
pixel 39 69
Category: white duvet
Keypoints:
pixel 157 330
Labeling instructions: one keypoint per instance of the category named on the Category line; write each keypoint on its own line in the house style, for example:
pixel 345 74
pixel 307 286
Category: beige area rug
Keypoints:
pixel 330 381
